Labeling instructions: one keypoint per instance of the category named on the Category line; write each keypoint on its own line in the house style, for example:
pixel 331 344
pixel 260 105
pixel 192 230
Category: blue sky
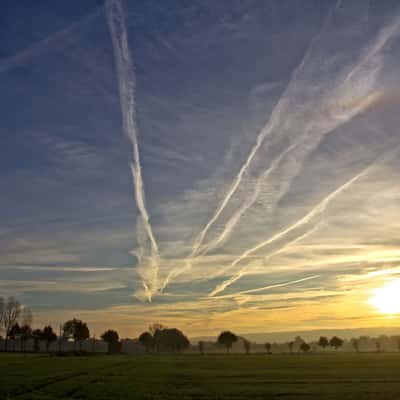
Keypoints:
pixel 267 134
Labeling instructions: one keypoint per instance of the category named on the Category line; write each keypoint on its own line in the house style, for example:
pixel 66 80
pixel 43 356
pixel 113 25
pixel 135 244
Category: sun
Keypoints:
pixel 386 299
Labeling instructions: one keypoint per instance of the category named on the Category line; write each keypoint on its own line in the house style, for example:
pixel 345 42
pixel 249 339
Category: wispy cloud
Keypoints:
pixel 315 212
pixel 126 79
pixel 38 48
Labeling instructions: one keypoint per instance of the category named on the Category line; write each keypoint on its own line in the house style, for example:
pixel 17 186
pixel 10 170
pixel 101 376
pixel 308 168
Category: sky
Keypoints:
pixel 200 164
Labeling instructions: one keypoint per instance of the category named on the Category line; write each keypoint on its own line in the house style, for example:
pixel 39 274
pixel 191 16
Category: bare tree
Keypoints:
pixel 11 312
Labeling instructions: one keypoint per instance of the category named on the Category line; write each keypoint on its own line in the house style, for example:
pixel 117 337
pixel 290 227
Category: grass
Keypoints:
pixel 311 376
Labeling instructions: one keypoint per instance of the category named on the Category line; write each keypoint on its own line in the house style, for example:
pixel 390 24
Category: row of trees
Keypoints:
pixel 227 339
pixel 16 322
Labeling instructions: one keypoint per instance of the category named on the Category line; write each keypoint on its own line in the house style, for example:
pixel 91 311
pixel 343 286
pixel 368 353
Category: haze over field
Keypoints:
pixel 207 165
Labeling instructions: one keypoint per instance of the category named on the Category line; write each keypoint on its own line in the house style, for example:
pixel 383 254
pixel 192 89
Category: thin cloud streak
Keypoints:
pixel 126 78
pixel 261 289
pixel 341 112
pixel 37 48
pixel 243 271
pixel 331 115
pixel 316 211
pixel 265 132
pixel 384 36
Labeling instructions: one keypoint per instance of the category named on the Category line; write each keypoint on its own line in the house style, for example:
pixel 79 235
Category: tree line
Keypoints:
pixel 227 339
pixel 16 323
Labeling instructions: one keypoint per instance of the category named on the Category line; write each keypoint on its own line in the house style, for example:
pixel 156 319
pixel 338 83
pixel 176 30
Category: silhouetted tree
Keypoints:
pixel 147 341
pixel 336 342
pixel 37 337
pixel 154 328
pixel 268 347
pixel 201 347
pixel 377 346
pixel 305 347
pixel 227 339
pixel 323 342
pixel 246 345
pixel 77 330
pixel 48 336
pixel 290 345
pixel 354 343
pixel 25 329
pixel 298 340
pixel 111 338
pixel 10 312
pixel 14 333
pixel 156 332
pixel 173 339
pixel 25 333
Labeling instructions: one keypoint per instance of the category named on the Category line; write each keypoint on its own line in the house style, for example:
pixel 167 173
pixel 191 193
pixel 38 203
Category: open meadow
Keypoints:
pixel 298 376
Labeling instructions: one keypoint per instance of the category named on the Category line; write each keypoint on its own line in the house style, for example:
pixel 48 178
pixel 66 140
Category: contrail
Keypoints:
pixel 38 47
pixel 316 211
pixel 265 132
pixel 274 121
pixel 233 221
pixel 261 289
pixel 126 78
pixel 174 273
pixel 243 271
pixel 383 37
pixel 355 108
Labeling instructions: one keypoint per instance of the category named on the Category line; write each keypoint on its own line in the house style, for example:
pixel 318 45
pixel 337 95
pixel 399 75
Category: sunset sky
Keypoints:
pixel 204 164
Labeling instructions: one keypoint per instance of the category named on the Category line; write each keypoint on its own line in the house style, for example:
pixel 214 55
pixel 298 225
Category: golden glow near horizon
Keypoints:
pixel 386 299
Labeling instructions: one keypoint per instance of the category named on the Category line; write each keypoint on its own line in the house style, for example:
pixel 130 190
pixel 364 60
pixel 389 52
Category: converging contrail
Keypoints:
pixel 343 98
pixel 244 271
pixel 316 211
pixel 233 221
pixel 126 79
pixel 340 115
pixel 238 179
pixel 265 132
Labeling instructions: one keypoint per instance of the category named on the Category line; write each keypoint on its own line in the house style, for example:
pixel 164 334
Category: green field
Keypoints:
pixel 299 376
